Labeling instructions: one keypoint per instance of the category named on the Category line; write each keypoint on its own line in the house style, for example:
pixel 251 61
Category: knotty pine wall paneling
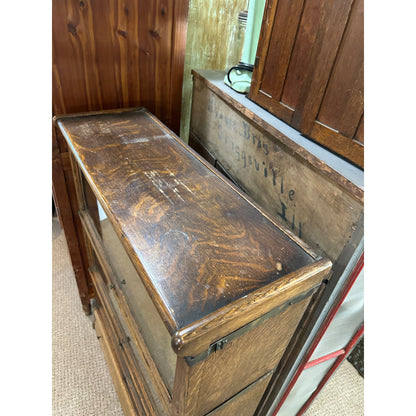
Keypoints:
pixel 119 53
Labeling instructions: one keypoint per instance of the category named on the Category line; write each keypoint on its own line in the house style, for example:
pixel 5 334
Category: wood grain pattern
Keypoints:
pixel 343 103
pixel 240 362
pixel 119 53
pixel 286 20
pixel 245 402
pixel 196 338
pixel 285 53
pixel 211 260
pixel 148 182
pixel 324 52
pixel 299 61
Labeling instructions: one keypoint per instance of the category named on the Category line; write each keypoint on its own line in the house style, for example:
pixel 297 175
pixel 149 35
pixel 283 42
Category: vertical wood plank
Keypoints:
pixel 354 108
pixel 323 56
pixel 285 26
pixel 119 53
pixel 302 49
pixel 181 10
pixel 263 47
pixel 343 102
pixel 359 134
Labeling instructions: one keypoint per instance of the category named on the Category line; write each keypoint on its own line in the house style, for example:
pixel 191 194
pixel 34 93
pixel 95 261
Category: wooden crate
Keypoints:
pixel 315 201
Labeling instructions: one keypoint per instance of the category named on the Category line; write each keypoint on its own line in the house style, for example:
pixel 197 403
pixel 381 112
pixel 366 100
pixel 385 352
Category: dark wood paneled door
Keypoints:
pixel 310 70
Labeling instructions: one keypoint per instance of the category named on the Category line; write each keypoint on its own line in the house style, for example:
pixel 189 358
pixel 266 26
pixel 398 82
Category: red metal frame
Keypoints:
pixel 324 358
pixel 331 371
pixel 353 277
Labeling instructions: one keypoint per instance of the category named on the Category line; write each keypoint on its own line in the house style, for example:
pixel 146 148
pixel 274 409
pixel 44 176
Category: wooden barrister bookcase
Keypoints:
pixel 198 291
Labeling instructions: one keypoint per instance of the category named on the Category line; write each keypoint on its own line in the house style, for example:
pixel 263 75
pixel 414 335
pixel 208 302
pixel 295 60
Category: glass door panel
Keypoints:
pixel 148 320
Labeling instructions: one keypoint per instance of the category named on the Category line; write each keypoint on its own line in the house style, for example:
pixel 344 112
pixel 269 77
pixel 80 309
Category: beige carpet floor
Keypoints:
pixel 81 382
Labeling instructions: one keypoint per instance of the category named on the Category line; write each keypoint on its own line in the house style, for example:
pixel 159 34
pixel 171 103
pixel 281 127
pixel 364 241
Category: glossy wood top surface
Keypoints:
pixel 197 243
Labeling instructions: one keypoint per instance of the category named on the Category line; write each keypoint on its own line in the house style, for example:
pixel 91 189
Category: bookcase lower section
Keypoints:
pixel 134 388
pixel 130 382
pixel 245 402
pixel 228 382
pixel 125 394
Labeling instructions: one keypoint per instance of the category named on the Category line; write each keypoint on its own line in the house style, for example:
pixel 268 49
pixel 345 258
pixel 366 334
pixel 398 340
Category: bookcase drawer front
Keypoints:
pixel 244 360
pixel 245 402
